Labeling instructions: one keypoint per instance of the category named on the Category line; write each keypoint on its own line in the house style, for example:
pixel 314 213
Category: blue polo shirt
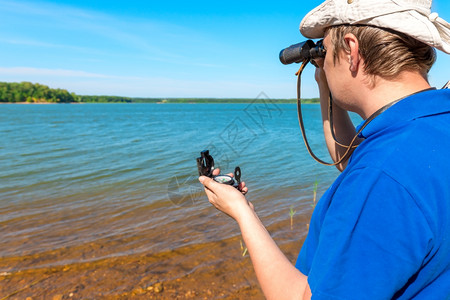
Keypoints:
pixel 382 230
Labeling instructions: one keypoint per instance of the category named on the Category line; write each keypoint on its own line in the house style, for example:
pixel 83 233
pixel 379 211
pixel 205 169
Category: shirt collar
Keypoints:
pixel 419 105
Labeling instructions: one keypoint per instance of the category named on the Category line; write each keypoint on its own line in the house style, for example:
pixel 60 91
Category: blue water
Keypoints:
pixel 72 174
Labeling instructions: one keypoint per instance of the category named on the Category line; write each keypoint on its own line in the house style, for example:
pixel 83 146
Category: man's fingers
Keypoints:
pixel 206 181
pixel 318 62
pixel 209 183
pixel 244 190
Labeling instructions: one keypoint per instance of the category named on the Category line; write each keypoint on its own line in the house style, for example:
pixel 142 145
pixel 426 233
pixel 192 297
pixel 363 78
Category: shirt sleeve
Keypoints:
pixel 373 239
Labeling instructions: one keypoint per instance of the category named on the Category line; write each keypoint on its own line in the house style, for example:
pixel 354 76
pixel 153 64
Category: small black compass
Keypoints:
pixel 205 165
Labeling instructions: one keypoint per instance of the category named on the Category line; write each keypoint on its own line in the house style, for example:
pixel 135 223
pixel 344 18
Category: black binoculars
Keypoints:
pixel 301 52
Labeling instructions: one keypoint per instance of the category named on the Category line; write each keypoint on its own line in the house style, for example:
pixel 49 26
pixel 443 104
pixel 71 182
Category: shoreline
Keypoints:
pixel 161 103
pixel 39 103
pixel 221 267
pixel 35 93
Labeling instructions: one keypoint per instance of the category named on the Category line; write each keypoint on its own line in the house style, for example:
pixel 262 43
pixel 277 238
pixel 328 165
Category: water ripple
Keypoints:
pixel 126 174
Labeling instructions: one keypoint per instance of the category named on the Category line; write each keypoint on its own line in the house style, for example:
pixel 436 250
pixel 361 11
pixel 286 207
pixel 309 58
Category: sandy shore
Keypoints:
pixel 215 270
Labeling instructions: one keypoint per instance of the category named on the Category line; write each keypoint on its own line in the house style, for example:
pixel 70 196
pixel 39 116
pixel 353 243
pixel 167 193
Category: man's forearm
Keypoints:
pixel 342 125
pixel 278 278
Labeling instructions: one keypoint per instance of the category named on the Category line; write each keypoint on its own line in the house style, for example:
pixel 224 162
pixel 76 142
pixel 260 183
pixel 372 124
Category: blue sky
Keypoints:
pixel 161 48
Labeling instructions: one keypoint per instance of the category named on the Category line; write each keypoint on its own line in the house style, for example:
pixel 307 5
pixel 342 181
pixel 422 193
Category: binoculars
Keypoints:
pixel 304 51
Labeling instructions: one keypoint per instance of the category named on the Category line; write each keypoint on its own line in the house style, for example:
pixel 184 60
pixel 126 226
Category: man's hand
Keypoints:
pixel 241 187
pixel 226 198
pixel 319 75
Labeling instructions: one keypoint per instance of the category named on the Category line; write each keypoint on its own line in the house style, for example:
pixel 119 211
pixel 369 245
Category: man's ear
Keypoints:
pixel 353 57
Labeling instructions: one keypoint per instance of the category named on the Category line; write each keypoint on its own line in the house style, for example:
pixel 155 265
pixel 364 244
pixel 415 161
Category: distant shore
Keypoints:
pixel 45 103
pixel 35 93
pixel 183 101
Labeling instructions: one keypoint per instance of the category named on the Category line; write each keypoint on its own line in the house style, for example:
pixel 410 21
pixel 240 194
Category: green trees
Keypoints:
pixel 104 99
pixel 39 93
pixel 33 92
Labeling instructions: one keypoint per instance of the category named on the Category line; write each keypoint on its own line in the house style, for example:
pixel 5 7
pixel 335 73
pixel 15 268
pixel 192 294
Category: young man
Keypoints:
pixel 381 230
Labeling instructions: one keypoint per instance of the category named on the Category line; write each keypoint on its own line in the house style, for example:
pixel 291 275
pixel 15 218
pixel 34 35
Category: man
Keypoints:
pixel 382 230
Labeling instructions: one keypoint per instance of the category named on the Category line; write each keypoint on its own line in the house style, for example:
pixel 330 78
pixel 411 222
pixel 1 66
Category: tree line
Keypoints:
pixel 38 93
pixel 33 92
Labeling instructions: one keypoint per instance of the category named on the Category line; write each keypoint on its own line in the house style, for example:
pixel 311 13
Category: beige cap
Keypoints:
pixel 411 17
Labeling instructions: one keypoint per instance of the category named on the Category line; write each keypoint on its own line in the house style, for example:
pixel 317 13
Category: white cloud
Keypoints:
pixel 25 71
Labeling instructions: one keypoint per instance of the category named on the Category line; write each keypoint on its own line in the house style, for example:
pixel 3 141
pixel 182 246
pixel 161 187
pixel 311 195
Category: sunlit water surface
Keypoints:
pixel 124 176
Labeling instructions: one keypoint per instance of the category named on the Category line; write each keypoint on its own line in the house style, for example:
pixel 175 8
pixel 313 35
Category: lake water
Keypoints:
pixel 124 176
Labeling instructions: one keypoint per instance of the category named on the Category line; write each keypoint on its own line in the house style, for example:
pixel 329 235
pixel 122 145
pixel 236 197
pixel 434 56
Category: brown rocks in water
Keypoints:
pixel 157 287
pixel 138 291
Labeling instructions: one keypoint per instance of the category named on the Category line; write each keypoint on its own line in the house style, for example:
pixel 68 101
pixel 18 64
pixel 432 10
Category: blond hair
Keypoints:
pixel 386 53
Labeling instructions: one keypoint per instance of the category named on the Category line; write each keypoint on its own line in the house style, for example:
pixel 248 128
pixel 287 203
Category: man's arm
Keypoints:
pixel 342 125
pixel 278 278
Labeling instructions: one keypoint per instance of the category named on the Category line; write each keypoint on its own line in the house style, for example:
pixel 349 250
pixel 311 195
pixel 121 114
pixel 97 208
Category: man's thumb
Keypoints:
pixel 204 180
